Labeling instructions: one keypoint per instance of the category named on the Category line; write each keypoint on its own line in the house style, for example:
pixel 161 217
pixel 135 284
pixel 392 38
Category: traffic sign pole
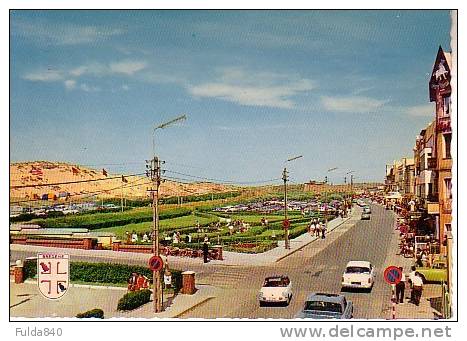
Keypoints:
pixel 393 275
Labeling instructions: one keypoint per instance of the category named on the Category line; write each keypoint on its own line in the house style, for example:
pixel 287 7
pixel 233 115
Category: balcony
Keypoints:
pixel 444 124
pixel 446 206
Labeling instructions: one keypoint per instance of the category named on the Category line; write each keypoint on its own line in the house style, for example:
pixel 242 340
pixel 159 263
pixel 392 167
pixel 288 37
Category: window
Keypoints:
pixel 448 188
pixel 447 106
pixel 447 145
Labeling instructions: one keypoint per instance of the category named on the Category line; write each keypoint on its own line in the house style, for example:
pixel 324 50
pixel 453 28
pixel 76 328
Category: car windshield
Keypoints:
pixel 323 306
pixel 276 282
pixel 357 270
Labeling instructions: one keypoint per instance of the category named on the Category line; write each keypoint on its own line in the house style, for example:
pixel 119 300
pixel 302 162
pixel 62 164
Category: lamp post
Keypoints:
pixel 351 184
pixel 326 200
pixel 155 173
pixel 285 178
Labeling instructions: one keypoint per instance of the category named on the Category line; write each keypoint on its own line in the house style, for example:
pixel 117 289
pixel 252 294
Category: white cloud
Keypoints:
pixel 351 104
pixel 53 33
pixel 421 110
pixel 127 67
pixel 44 76
pixel 70 84
pixel 255 89
pixel 89 88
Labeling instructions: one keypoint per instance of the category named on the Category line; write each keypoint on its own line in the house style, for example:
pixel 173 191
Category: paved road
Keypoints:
pixel 317 267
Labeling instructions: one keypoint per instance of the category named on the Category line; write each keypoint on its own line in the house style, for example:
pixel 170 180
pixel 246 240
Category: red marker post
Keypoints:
pixel 393 275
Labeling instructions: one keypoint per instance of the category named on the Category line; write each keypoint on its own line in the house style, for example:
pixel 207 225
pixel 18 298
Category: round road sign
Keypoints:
pixel 286 224
pixel 155 263
pixel 392 274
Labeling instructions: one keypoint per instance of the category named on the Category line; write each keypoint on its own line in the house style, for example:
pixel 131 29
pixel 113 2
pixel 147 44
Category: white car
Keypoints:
pixel 276 289
pixel 359 274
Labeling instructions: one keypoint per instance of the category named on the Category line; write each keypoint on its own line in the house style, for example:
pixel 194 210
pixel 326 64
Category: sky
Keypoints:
pixel 345 89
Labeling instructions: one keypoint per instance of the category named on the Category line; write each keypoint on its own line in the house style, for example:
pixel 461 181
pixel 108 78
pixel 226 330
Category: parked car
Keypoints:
pixel 326 306
pixel 367 209
pixel 438 272
pixel 276 289
pixel 366 215
pixel 358 274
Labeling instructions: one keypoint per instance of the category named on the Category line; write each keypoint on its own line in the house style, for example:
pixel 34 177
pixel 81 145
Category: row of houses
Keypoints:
pixel 425 178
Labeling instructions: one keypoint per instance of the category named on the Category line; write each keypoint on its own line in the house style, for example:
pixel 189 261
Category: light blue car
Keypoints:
pixel 326 306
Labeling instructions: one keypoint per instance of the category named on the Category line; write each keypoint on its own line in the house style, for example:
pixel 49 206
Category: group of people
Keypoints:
pixel 415 282
pixel 237 226
pixel 137 282
pixel 135 237
pixel 317 228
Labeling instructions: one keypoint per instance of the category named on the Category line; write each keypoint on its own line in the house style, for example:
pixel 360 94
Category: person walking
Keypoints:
pixel 417 288
pixel 312 228
pixel 323 232
pixel 400 288
pixel 205 252
pixel 318 229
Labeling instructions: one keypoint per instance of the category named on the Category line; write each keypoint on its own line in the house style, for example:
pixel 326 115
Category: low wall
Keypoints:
pixel 75 243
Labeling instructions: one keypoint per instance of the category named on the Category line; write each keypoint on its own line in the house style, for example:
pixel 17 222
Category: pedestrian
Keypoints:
pixel 132 281
pixel 318 229
pixel 174 238
pixel 323 232
pixel 206 239
pixel 417 288
pixel 134 237
pixel 400 288
pixel 205 252
pixel 145 238
pixel 312 228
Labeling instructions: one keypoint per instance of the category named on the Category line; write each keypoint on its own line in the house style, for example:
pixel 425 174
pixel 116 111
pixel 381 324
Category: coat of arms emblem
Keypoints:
pixel 53 274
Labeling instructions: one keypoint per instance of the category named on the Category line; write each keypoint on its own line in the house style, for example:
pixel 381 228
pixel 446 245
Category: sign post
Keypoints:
pixel 393 275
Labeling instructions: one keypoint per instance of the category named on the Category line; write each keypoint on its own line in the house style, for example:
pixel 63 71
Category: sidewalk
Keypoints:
pixel 430 291
pixel 230 258
pixel 26 301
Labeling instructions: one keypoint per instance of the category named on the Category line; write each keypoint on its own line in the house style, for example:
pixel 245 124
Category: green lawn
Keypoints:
pixel 165 225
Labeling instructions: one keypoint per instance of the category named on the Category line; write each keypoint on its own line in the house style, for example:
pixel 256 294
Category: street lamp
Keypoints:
pixel 156 178
pixel 162 126
pixel 285 178
pixel 326 199
pixel 349 196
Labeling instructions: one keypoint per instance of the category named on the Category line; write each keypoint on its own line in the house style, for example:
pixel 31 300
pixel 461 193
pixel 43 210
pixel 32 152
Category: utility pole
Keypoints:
pixel 286 230
pixel 326 203
pixel 121 198
pixel 154 173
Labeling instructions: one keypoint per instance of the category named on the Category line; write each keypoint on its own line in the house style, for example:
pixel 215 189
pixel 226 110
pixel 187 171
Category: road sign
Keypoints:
pixel 286 224
pixel 392 274
pixel 155 263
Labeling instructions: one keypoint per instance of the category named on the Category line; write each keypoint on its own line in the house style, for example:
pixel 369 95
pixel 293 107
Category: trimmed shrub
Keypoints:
pixel 30 268
pixel 133 300
pixel 94 313
pixel 102 220
pixel 104 272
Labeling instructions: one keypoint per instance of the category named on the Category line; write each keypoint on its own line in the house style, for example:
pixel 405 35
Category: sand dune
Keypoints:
pixel 47 174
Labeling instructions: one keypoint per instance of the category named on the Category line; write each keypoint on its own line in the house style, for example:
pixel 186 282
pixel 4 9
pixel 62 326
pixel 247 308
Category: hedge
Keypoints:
pixel 94 313
pixel 104 272
pixel 103 220
pixel 134 299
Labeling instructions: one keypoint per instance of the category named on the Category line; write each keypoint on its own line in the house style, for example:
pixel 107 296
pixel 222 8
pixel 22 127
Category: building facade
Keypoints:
pixel 440 94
